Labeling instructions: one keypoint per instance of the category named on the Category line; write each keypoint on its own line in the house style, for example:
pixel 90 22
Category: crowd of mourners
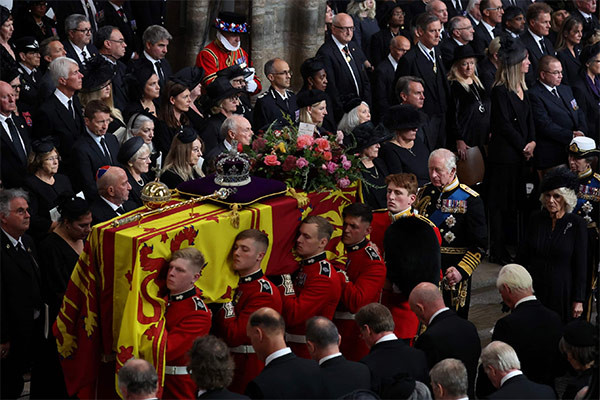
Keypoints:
pixel 476 123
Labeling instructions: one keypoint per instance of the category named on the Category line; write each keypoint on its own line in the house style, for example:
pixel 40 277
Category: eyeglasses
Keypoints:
pixel 283 73
pixel 495 9
pixel 86 31
pixel 554 72
pixel 120 41
pixel 461 29
pixel 345 28
pixel 16 87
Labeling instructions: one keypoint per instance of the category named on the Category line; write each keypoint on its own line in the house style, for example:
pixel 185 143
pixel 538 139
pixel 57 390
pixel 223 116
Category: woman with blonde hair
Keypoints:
pixel 365 24
pixel 568 48
pixel 313 109
pixel 182 162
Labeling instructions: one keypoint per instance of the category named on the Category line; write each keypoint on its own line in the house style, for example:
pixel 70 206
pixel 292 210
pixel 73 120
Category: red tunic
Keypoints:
pixel 366 272
pixel 317 290
pixel 187 318
pixel 214 57
pixel 253 292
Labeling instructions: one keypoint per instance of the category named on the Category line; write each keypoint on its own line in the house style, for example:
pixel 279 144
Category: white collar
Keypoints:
pixel 4 117
pixel 524 299
pixel 457 42
pixel 394 62
pixel 79 50
pixel 536 37
pixel 548 87
pixel 338 43
pixel 509 375
pixel 63 98
pixel 116 7
pixel 473 18
pixel 329 357
pixel 387 338
pixel 13 241
pixel 200 392
pixel 95 137
pixel 435 314
pixel 489 28
pixel 109 59
pixel 29 71
pixel 451 186
pixel 425 50
pixel 585 15
pixel 280 95
pixel 514 35
pixel 149 58
pixel 110 203
pixel 227 145
pixel 277 354
pixel 223 40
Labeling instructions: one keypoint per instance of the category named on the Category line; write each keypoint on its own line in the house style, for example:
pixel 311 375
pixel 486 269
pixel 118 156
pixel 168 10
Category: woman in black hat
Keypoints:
pixel 7 52
pixel 405 153
pixel 554 248
pixel 367 140
pixel 579 345
pixel 44 185
pixel 144 91
pixel 313 109
pixel 392 24
pixel 223 101
pixel 469 105
pixel 134 156
pixel 181 164
pixel 314 76
pixel 191 77
pixel 172 116
pixel 511 146
pixel 568 48
pixel 586 88
pixel 237 75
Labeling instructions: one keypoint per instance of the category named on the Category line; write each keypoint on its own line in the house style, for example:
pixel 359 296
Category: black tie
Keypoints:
pixel 16 139
pixel 555 93
pixel 161 76
pixel 543 45
pixel 71 108
pixel 120 210
pixel 105 149
pixel 353 67
pixel 32 76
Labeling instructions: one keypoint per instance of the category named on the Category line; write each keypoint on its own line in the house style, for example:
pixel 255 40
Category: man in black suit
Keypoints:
pixel 22 308
pixel 285 376
pixel 383 80
pixel 447 334
pixel 461 33
pixel 87 8
pixel 78 44
pixel 449 380
pixel 155 42
pixel 60 116
pixel 28 55
pixel 485 31
pixel 556 115
pixel 389 357
pixel 50 50
pixel 117 13
pixel 148 13
pixel 278 103
pixel 473 12
pixel 344 64
pixel 113 188
pixel 585 10
pixel 513 22
pixel 424 60
pixel 521 4
pixel 438 8
pixel 112 46
pixel 340 376
pixel 15 139
pixel 97 147
pixel 138 380
pixel 411 90
pixel 502 366
pixel 535 38
pixel 456 7
pixel 233 128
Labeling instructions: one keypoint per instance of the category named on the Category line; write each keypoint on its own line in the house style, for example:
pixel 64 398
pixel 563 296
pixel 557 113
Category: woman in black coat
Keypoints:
pixel 586 89
pixel 568 49
pixel 511 144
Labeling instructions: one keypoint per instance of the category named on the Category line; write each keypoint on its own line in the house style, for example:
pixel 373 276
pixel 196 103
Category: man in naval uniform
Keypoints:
pixel 254 291
pixel 458 212
pixel 187 317
pixel 365 271
pixel 582 154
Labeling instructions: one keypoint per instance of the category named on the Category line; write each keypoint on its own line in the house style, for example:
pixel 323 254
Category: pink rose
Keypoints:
pixel 327 156
pixel 322 144
pixel 331 167
pixel 301 162
pixel 346 164
pixel 289 163
pixel 304 141
pixel 339 137
pixel 343 182
pixel 271 160
pixel 259 144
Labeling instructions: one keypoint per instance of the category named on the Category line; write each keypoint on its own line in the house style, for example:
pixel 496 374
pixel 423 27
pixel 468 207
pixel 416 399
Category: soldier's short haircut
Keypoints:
pixel 376 316
pixel 259 237
pixel 324 228
pixel 404 180
pixel 193 255
pixel 362 210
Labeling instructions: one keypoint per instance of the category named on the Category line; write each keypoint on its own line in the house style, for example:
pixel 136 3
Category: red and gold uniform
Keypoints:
pixel 316 290
pixel 214 57
pixel 187 318
pixel 253 292
pixel 366 273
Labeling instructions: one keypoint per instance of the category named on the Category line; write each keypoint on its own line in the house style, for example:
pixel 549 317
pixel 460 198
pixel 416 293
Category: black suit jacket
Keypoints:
pixel 487 73
pixel 341 377
pixel 588 27
pixel 119 87
pixel 570 64
pixel 87 159
pixel 110 16
pixel 340 86
pixel 71 53
pixel 450 336
pixel 271 107
pixel 452 11
pixel 481 38
pixel 14 170
pixel 103 212
pixel 287 377
pixel 535 54
pixel 519 387
pixel 383 89
pixel 164 63
pixel 29 87
pixel 589 103
pixel 522 4
pixel 148 13
pixel 380 45
pixel 393 357
pixel 447 48
pixel 555 120
pixel 64 8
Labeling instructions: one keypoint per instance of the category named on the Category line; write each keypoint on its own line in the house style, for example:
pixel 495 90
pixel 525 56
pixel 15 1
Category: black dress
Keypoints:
pixel 468 115
pixel 374 188
pixel 556 260
pixel 398 159
pixel 570 64
pixel 163 136
pixel 135 194
pixel 172 180
pixel 26 26
pixel 43 198
pixel 211 132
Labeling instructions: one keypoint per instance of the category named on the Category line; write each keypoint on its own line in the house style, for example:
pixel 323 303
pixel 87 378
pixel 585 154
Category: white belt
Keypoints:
pixel 244 349
pixel 171 370
pixel 343 315
pixel 295 338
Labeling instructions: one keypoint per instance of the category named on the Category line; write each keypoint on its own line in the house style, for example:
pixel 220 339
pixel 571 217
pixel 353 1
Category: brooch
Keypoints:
pixel 587 207
pixel 450 221
pixel 449 237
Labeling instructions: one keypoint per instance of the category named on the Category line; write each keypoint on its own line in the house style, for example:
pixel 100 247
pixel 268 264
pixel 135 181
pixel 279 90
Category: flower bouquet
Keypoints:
pixel 302 161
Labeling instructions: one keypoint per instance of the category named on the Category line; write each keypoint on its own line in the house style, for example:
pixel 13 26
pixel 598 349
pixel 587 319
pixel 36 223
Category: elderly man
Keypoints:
pixel 278 103
pixel 155 41
pixel 424 60
pixel 111 45
pixel 585 10
pixel 460 32
pixel 345 65
pixel 317 287
pixel 457 211
pixel 489 26
pixel 79 36
pixel 411 90
pixel 254 291
pixel 439 9
pixel 447 335
pixel 285 375
pixel 535 38
pixel 473 12
pixel 113 189
pixel 138 380
pixel 118 14
pixel 556 115
pixel 22 316
pixel 15 139
pixel 187 317
pixel 502 366
pixel 235 129
pixel 449 380
pixel 340 376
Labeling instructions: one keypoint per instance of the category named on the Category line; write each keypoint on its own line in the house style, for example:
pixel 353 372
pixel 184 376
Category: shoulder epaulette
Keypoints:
pixel 260 96
pixel 372 253
pixel 469 190
pixel 265 286
pixel 597 175
pixel 199 303
pixel 422 218
pixel 325 268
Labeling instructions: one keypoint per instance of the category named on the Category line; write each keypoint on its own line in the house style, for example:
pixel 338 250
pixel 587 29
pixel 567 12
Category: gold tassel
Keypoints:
pixel 234 215
pixel 300 198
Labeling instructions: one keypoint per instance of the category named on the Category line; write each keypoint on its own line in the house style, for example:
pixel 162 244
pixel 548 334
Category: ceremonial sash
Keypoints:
pixel 456 202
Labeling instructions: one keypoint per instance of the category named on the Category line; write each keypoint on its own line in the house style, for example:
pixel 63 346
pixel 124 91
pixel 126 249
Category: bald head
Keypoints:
pixel 114 185
pixel 266 329
pixel 399 46
pixel 269 320
pixel 7 99
pixel 138 380
pixel 425 300
pixel 343 28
